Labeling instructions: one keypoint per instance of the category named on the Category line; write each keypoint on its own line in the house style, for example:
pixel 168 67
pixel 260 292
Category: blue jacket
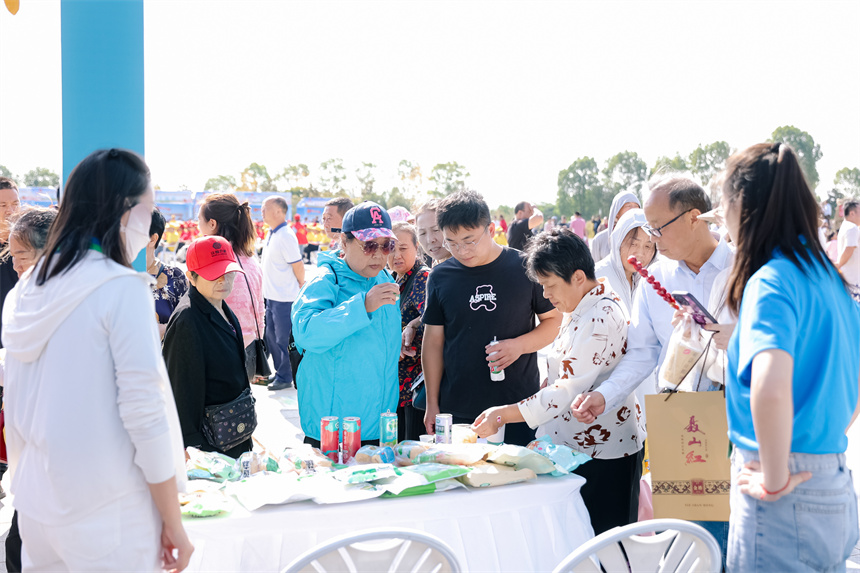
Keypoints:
pixel 350 356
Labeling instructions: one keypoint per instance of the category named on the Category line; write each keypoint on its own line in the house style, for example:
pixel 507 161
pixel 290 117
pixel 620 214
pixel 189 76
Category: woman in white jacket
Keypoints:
pixel 92 431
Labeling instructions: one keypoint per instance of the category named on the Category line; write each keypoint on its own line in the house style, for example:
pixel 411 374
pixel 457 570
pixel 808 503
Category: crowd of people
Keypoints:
pixel 438 310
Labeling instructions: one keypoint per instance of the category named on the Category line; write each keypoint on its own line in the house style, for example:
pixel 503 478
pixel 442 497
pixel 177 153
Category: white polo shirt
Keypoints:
pixel 281 251
pixel 849 236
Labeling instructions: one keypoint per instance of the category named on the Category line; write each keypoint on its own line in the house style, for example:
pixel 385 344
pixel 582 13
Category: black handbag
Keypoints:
pixel 228 425
pixel 256 354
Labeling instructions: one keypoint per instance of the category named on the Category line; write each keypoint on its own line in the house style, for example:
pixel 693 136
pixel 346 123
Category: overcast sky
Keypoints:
pixel 515 91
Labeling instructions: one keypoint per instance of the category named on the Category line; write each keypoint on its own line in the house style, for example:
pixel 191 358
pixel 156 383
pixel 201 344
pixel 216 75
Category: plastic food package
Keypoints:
pixel 326 489
pixel 268 489
pixel 364 473
pixel 455 454
pixel 520 458
pixel 406 451
pixel 374 455
pixel 563 457
pixel 203 500
pixel 686 346
pixel 424 489
pixel 304 459
pixel 210 465
pixel 486 474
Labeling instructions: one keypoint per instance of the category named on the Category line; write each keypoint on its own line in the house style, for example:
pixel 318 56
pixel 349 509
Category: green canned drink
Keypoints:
pixel 388 429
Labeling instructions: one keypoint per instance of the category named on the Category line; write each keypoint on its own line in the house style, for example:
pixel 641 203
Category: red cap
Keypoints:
pixel 212 257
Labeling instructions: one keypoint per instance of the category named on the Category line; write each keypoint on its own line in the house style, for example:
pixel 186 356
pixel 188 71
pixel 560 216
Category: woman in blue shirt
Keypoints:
pixel 793 374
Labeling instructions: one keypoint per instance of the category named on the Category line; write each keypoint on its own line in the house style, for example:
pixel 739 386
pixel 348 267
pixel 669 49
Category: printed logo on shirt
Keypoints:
pixel 484 297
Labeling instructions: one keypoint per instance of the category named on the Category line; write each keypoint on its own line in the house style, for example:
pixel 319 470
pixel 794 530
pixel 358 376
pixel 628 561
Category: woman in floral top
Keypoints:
pixel 411 275
pixel 170 282
pixel 590 343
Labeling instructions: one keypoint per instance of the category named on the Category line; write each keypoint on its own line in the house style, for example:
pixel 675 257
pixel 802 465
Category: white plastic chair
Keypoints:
pixel 378 550
pixel 682 546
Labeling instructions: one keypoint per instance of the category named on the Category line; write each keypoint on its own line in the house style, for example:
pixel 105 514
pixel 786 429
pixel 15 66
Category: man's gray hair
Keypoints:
pixel 683 192
pixel 279 201
pixel 343 204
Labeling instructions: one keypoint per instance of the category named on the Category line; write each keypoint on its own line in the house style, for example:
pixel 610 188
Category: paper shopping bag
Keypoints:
pixel 688 444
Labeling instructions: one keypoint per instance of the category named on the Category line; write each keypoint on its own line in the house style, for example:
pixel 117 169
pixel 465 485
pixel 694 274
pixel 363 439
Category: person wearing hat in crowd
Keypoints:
pixel 203 346
pixel 346 322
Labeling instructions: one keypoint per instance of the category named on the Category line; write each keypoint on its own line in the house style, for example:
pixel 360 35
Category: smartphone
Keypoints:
pixel 689 303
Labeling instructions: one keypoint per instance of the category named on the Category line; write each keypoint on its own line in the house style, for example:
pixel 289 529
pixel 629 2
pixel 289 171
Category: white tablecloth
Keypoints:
pixel 522 527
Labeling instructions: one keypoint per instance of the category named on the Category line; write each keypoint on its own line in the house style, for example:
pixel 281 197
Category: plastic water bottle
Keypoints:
pixel 495 375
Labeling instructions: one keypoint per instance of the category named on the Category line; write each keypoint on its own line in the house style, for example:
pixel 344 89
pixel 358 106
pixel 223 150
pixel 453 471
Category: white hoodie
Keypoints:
pixel 90 415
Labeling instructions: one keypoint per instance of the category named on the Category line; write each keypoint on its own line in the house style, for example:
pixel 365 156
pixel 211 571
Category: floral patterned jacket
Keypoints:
pixel 589 345
pixel 413 291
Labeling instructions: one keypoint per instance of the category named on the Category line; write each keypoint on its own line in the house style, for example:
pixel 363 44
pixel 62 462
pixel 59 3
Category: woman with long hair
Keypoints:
pixel 91 425
pixel 792 388
pixel 221 214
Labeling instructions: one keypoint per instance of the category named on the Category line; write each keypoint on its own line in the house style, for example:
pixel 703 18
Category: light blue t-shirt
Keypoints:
pixel 813 318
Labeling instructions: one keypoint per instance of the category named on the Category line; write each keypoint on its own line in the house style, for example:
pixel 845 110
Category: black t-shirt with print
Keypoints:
pixel 519 234
pixel 475 304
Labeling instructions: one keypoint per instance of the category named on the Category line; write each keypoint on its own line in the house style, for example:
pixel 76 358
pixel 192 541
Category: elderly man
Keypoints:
pixel 283 277
pixel 332 218
pixel 526 218
pixel 691 259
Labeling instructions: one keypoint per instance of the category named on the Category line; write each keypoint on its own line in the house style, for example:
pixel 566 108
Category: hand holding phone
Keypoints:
pixel 696 309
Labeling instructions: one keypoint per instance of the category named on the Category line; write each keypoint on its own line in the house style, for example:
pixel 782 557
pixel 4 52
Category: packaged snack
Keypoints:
pixel 563 458
pixel 268 489
pixel 415 479
pixel 455 454
pixel 304 458
pixel 520 458
pixel 326 489
pixel 204 503
pixel 436 472
pixel 486 474
pixel 686 345
pixel 375 455
pixel 364 473
pixel 407 450
pixel 424 489
pixel 210 465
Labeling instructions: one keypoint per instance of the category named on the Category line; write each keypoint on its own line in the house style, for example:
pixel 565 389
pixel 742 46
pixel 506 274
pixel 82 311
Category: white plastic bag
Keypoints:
pixel 686 347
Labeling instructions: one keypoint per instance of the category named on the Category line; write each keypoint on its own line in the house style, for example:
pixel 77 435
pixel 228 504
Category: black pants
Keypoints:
pixel 410 423
pixel 519 433
pixel 611 491
pixel 13 547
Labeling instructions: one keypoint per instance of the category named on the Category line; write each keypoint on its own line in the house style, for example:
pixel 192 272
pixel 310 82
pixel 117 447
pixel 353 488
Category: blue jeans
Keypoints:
pixel 814 528
pixel 279 325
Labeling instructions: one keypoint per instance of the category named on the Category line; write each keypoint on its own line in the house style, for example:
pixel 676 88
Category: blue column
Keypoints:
pixel 102 46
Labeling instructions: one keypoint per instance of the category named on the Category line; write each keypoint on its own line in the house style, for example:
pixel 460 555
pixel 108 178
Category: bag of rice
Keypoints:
pixel 520 458
pixel 486 474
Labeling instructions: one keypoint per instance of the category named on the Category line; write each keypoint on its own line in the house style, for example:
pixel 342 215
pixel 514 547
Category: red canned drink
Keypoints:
pixel 329 437
pixel 351 437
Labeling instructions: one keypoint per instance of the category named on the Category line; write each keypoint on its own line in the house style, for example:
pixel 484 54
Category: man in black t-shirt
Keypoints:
pixel 520 230
pixel 480 294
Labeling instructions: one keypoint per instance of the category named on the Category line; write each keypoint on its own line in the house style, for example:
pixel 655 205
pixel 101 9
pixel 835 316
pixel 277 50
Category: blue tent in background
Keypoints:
pixel 41 196
pixel 311 208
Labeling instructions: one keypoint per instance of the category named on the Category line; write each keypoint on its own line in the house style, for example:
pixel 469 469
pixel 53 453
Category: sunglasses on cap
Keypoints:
pixel 371 247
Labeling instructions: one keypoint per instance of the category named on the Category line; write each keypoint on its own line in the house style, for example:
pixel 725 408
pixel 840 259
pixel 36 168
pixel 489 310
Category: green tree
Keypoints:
pixel 664 163
pixel 448 178
pixel 623 171
pixel 41 177
pixel 366 179
pixel 707 160
pixel 808 152
pixel 397 197
pixel 548 209
pixel 5 172
pixel 222 184
pixel 256 177
pixel 847 182
pixel 579 189
pixel 332 176
pixel 411 180
pixel 295 175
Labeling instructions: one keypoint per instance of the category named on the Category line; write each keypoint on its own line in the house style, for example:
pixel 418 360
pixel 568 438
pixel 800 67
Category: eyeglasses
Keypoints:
pixel 467 246
pixel 658 231
pixel 371 247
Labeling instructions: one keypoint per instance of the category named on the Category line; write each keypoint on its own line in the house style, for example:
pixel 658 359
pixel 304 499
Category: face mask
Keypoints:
pixel 136 232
